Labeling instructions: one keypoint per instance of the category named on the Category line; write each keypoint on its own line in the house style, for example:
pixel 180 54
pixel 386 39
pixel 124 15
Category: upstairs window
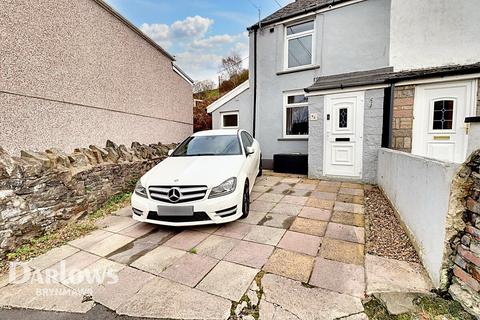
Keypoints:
pixel 295 116
pixel 299 44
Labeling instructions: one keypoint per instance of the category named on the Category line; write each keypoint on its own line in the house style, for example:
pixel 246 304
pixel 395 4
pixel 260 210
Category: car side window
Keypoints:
pixel 246 143
pixel 249 137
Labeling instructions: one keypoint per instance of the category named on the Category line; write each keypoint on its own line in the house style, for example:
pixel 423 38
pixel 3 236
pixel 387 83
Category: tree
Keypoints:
pixel 231 67
pixel 203 86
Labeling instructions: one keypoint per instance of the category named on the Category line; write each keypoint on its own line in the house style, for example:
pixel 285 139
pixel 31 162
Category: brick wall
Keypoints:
pixel 41 191
pixel 465 257
pixel 402 118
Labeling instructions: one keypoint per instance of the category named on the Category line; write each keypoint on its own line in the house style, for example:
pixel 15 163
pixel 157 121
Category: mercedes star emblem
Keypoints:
pixel 174 194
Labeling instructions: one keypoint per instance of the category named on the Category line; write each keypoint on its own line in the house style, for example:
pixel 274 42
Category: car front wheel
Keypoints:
pixel 245 202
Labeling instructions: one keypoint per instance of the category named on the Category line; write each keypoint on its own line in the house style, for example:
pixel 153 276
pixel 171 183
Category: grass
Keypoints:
pixel 193 250
pixel 71 231
pixel 428 308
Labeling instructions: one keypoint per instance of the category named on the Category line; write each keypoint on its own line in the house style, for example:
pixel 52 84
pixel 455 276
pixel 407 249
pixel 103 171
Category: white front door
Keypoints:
pixel 343 134
pixel 439 113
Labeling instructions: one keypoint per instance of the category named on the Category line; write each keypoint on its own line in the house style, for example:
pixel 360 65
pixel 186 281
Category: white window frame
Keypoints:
pixel 229 113
pixel 299 35
pixel 292 105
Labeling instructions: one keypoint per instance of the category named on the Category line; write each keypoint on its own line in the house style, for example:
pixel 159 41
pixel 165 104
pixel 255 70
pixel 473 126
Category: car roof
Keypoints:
pixel 217 132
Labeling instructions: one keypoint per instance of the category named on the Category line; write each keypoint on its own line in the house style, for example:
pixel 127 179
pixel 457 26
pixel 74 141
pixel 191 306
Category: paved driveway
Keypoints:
pixel 299 255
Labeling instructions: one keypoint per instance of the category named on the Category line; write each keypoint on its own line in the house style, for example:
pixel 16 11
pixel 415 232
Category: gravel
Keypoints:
pixel 385 235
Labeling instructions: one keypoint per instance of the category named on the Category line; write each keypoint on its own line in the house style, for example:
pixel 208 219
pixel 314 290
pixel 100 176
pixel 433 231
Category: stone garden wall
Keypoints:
pixel 463 234
pixel 40 191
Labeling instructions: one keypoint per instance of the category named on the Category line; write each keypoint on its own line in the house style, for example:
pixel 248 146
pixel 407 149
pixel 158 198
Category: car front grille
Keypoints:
pixel 197 216
pixel 187 193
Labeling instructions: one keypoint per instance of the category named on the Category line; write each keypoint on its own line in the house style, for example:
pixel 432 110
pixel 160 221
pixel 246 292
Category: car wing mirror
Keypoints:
pixel 249 150
pixel 170 152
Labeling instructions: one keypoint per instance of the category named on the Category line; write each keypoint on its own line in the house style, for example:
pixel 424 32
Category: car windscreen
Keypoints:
pixel 209 146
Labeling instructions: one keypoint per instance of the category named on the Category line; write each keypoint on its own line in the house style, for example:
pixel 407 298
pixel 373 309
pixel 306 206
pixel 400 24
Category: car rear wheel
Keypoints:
pixel 245 201
pixel 260 169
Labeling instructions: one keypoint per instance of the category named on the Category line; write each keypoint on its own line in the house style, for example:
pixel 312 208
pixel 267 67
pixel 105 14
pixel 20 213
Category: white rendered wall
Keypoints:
pixel 434 33
pixel 419 189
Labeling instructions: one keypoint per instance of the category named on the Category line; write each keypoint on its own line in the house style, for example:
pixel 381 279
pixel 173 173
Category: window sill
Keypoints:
pixel 293 139
pixel 298 70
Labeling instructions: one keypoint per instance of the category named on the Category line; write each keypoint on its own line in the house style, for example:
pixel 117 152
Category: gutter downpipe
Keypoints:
pixel 255 29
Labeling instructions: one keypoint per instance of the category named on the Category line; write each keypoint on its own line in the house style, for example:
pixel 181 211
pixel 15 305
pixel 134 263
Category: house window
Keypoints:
pixel 443 115
pixel 343 118
pixel 299 44
pixel 295 116
pixel 230 120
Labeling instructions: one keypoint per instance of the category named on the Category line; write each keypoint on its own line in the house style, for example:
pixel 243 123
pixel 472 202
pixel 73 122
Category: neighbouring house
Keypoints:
pixel 333 81
pixel 76 73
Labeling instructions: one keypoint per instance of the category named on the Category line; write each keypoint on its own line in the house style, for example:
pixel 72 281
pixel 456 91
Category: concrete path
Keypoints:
pixel 299 255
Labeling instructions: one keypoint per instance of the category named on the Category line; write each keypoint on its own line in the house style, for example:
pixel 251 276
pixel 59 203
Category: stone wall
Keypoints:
pixel 464 227
pixel 40 191
pixel 403 118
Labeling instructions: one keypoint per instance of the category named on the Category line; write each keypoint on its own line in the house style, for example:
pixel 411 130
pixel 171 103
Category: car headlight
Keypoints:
pixel 226 187
pixel 140 190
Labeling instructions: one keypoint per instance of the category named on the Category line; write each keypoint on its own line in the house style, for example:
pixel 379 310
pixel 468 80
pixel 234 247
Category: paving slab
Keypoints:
pixel 343 251
pixel 299 192
pixel 324 195
pixel 319 203
pixel 329 183
pixel 43 296
pixel 216 246
pixel 290 264
pixel 186 240
pixel 291 180
pixel 260 189
pixel 114 223
pixel 269 311
pixel 236 230
pixel 254 195
pixel 51 257
pixel 327 188
pixel 158 259
pixel 339 277
pixel 189 269
pixel 388 275
pixel 250 254
pixel 353 219
pixel 309 226
pixel 262 206
pixel 109 245
pixel 254 217
pixel 165 299
pixel 100 272
pixel 221 282
pixel 277 220
pixel 352 185
pixel 349 207
pixel 71 265
pixel 309 181
pixel 287 208
pixel 207 229
pixel 398 302
pixel 265 235
pixel 315 213
pixel 305 186
pixel 90 239
pixel 17 273
pixel 159 236
pixel 272 197
pixel 350 198
pixel 294 200
pixel 351 191
pixel 300 242
pixel 138 230
pixel 345 232
pixel 124 212
pixel 130 281
pixel 132 251
pixel 308 303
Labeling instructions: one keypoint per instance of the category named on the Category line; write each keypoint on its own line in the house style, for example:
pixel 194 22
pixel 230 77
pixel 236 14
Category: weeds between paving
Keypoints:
pixel 40 245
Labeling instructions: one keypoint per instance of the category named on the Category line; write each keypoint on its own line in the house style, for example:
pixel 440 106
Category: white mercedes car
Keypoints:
pixel 207 179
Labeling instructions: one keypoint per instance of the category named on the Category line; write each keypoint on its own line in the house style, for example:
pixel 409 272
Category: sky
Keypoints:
pixel 198 33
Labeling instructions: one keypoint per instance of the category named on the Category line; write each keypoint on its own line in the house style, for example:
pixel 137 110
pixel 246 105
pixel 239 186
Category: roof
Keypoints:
pixel 296 8
pixel 352 79
pixel 122 19
pixel 386 75
pixel 182 73
pixel 217 132
pixel 227 97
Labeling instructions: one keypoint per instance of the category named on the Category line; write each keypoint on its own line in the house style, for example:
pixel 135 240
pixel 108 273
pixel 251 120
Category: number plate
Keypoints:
pixel 180 211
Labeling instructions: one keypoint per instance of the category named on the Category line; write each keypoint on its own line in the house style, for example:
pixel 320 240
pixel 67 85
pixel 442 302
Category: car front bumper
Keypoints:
pixel 206 211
